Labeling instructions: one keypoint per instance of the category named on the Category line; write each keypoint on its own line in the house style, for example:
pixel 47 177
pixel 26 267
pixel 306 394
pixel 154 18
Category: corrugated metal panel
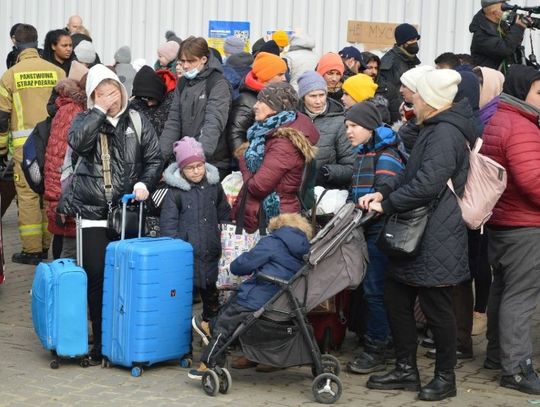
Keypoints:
pixel 142 23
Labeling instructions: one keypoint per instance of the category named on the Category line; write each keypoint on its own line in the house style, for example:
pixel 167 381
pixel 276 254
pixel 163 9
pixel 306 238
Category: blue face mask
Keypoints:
pixel 191 74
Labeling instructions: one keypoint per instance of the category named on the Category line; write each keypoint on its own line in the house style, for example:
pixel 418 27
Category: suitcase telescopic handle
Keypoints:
pixel 125 199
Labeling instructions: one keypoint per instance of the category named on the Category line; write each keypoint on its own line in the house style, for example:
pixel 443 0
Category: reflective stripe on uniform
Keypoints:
pixel 44 226
pixel 21 133
pixel 4 137
pixel 30 230
pixel 4 93
pixel 19 142
pixel 17 104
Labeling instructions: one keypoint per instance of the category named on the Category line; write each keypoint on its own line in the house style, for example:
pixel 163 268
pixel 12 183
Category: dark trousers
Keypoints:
pixel 463 300
pixel 210 300
pixel 95 242
pixel 514 255
pixel 7 193
pixel 436 303
pixel 222 327
pixel 57 244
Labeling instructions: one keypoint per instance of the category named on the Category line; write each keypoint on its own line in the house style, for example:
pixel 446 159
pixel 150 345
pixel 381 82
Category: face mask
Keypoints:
pixel 191 74
pixel 412 48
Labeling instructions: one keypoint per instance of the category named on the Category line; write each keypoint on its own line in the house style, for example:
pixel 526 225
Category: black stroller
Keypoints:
pixel 278 334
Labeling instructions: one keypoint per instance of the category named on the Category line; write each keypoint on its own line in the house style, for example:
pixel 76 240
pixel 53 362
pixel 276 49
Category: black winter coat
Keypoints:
pixel 488 48
pixel 156 114
pixel 195 114
pixel 394 64
pixel 334 150
pixel 130 162
pixel 439 153
pixel 193 212
pixel 241 117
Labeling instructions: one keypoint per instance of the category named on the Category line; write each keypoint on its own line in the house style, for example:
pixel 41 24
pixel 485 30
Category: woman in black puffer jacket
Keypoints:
pixel 136 166
pixel 439 154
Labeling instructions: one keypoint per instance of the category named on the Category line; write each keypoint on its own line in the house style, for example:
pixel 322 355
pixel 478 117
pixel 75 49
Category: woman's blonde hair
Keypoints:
pixel 293 220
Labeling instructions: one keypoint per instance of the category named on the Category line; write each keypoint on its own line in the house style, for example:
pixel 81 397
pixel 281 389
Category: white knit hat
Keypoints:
pixel 438 88
pixel 410 77
pixel 85 52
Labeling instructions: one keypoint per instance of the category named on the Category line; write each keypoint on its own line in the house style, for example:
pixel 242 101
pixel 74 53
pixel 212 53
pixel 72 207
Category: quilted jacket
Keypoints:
pixel 512 138
pixel 439 153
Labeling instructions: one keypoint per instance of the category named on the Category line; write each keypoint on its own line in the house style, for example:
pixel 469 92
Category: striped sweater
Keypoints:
pixel 376 161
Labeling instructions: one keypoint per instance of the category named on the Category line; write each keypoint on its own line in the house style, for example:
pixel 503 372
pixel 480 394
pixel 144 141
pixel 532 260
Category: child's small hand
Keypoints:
pixel 141 194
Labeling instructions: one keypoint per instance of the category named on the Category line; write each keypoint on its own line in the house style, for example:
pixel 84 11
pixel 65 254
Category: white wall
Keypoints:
pixel 142 23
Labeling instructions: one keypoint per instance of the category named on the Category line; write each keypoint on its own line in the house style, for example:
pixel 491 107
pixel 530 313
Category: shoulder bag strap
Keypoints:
pixel 106 160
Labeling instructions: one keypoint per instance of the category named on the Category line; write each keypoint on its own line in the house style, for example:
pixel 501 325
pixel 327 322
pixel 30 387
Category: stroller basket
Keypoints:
pixel 286 346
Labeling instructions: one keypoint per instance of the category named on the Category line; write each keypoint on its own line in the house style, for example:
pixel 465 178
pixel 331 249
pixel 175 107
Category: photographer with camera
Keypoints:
pixel 496 38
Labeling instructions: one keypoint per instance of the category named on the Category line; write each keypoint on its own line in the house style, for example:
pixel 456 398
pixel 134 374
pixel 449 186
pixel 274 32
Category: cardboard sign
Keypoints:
pixel 371 34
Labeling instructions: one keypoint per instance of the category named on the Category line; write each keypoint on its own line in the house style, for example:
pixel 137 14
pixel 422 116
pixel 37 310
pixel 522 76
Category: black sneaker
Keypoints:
pixel 94 357
pixel 367 363
pixel 526 382
pixel 492 364
pixel 27 258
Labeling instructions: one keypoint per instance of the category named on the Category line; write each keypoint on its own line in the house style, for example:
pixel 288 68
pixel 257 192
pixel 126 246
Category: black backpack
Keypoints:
pixel 33 162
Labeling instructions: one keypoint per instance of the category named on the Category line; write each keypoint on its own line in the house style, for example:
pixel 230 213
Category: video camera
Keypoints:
pixel 512 14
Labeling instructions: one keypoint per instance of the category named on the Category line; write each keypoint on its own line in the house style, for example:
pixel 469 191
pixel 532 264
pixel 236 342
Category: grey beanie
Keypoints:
pixel 123 55
pixel 365 114
pixel 233 45
pixel 310 81
pixel 85 52
pixel 279 96
pixel 486 3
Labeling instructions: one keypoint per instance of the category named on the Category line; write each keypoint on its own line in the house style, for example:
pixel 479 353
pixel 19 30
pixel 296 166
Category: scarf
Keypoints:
pixel 254 154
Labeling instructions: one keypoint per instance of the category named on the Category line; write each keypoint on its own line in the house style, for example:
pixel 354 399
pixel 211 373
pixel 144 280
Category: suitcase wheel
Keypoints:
pixel 136 371
pixel 186 363
pixel 54 364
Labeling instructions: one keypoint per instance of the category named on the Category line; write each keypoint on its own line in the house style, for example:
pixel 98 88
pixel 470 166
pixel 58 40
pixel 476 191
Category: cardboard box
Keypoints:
pixel 372 35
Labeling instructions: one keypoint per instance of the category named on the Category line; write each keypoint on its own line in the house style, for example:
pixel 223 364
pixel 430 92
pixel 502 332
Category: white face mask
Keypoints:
pixel 191 74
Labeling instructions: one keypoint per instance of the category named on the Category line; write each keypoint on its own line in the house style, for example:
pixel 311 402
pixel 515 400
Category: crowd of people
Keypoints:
pixel 390 130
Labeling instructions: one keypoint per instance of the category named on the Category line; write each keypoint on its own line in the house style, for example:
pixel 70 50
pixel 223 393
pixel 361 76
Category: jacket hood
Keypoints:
pixel 295 240
pixel 173 177
pixel 480 22
pixel 70 91
pixel 301 41
pixel 525 108
pixel 459 115
pixel 98 73
pixel 383 137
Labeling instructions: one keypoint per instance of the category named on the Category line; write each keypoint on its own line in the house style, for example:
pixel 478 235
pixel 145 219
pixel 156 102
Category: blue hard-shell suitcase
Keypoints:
pixel 59 309
pixel 147 302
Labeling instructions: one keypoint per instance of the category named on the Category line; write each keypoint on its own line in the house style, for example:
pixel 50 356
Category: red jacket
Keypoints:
pixel 512 138
pixel 281 171
pixel 71 100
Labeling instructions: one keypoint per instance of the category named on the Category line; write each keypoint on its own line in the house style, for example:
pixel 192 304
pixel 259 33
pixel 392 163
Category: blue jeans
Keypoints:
pixel 377 327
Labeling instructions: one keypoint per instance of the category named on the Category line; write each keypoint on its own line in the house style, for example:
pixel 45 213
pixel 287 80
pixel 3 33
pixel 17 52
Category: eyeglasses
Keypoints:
pixel 195 167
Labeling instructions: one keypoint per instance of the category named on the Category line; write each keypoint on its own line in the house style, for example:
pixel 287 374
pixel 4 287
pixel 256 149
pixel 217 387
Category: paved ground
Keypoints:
pixel 27 380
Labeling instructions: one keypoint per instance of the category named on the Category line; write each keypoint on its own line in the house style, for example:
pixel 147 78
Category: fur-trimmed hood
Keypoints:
pixel 298 139
pixel 174 178
pixel 69 88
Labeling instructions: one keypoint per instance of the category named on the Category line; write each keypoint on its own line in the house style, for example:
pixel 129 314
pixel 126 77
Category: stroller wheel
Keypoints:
pixel 330 364
pixel 225 381
pixel 326 388
pixel 210 383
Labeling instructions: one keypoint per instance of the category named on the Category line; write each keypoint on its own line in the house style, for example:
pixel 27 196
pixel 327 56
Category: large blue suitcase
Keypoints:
pixel 147 302
pixel 59 309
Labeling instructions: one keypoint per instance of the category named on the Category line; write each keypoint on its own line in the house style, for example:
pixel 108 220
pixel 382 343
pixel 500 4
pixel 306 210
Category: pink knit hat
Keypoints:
pixel 187 151
pixel 169 50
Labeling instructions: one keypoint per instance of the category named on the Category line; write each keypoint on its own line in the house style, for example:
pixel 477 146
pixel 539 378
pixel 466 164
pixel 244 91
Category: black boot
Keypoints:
pixel 526 382
pixel 442 386
pixel 27 258
pixel 404 377
pixel 372 359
